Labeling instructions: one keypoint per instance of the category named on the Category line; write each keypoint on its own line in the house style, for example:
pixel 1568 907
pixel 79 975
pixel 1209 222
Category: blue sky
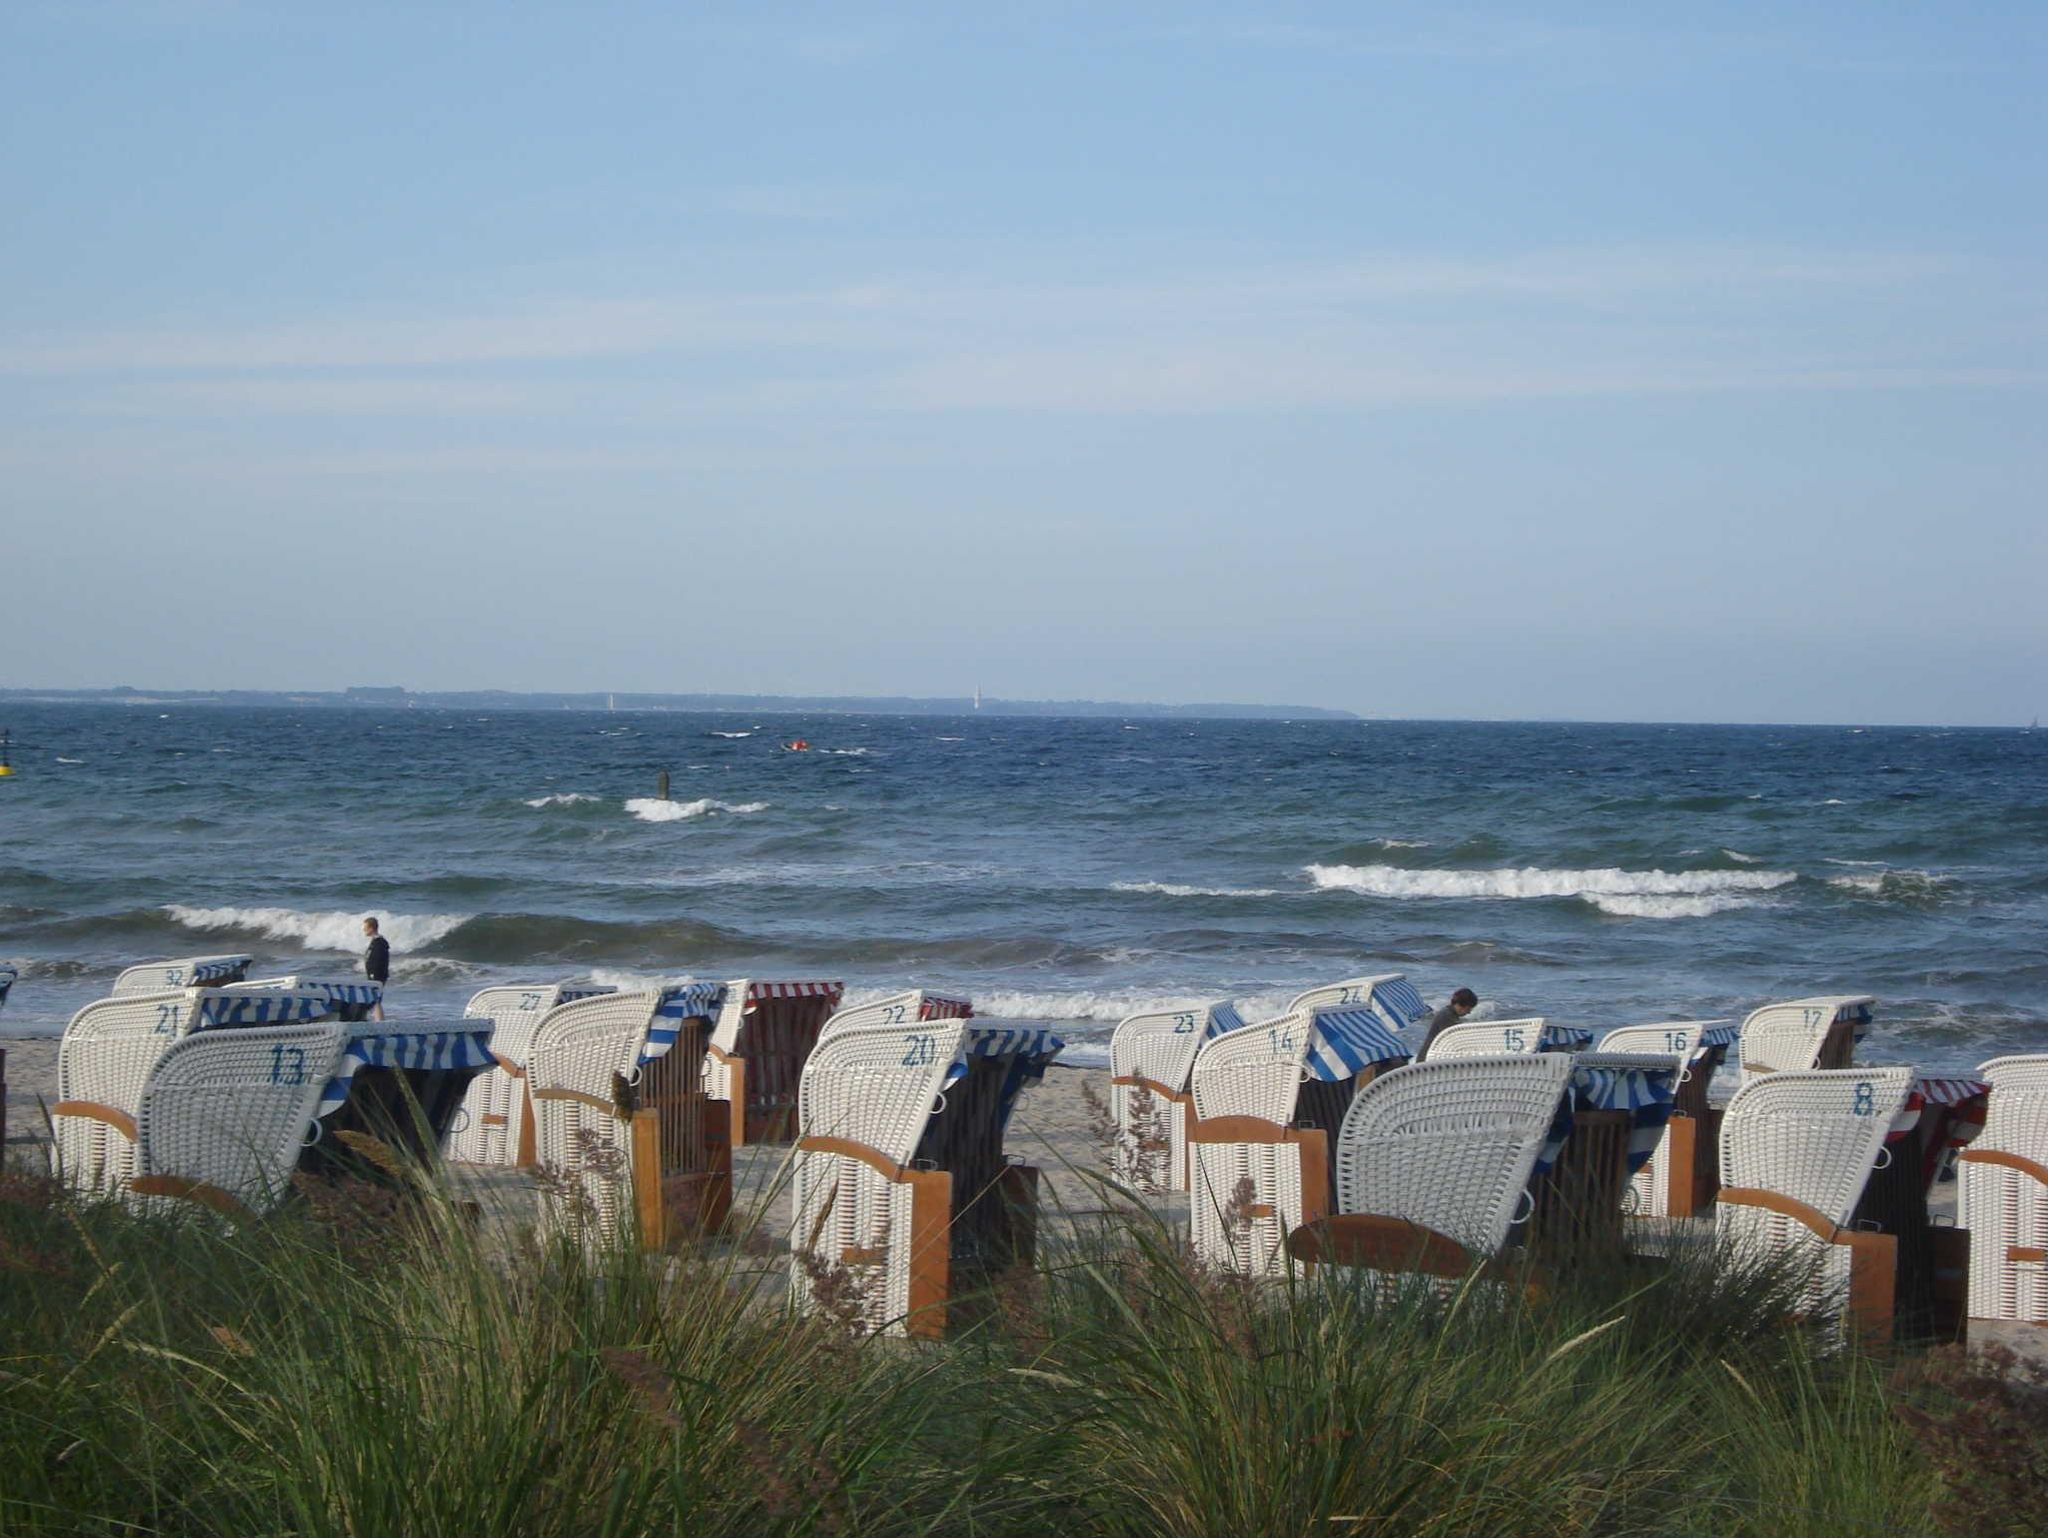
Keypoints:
pixel 1617 362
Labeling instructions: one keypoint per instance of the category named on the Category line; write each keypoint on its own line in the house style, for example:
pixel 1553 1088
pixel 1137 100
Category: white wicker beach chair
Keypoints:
pixel 1804 1034
pixel 7 977
pixel 1390 992
pixel 1434 1162
pixel 1267 1099
pixel 900 1175
pixel 1491 1038
pixel 763 1036
pixel 224 1115
pixel 1150 1058
pixel 1665 1184
pixel 918 1004
pixel 108 1050
pixel 1797 1149
pixel 496 1124
pixel 186 972
pixel 622 1129
pixel 2004 1195
pixel 352 997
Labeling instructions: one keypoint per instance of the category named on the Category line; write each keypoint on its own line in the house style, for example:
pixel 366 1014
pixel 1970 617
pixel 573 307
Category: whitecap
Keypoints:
pixel 844 752
pixel 565 798
pixel 650 809
pixel 732 734
pixel 323 931
pixel 1667 907
pixel 1592 886
pixel 1174 889
pixel 70 760
pixel 1743 859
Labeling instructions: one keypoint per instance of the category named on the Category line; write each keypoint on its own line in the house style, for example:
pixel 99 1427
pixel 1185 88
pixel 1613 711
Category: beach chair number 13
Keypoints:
pixel 922 1051
pixel 287 1065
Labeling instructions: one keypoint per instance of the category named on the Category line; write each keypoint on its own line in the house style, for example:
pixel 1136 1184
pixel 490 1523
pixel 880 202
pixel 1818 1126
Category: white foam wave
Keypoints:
pixel 329 931
pixel 845 752
pixel 1743 859
pixel 70 760
pixel 1174 889
pixel 1667 907
pixel 565 798
pixel 732 734
pixel 1601 887
pixel 1402 843
pixel 648 809
pixel 1907 885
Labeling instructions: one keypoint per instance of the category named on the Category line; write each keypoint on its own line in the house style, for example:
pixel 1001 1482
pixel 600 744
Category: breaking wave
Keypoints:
pixel 1619 893
pixel 649 809
pixel 329 931
pixel 1905 886
pixel 564 798
pixel 1174 889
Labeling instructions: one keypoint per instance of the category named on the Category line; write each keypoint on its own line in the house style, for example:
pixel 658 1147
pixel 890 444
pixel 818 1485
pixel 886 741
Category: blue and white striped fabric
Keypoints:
pixel 464 1046
pixel 1398 1003
pixel 684 1001
pixel 1858 1015
pixel 217 969
pixel 1565 1038
pixel 265 1008
pixel 1645 1092
pixel 349 994
pixel 1349 1038
pixel 1223 1017
pixel 1029 1048
pixel 1726 1034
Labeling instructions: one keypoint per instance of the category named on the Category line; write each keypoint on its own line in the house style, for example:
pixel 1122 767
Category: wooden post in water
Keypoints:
pixel 661 786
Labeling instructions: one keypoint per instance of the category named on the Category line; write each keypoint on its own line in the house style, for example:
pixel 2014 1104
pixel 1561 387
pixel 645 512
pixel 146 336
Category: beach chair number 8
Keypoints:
pixel 287 1065
pixel 1866 1099
pixel 1514 1038
pixel 920 1052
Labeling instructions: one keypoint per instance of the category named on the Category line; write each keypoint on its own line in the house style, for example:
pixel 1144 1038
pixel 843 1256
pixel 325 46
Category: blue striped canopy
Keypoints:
pixel 1223 1017
pixel 1398 1003
pixel 683 1001
pixel 1565 1038
pixel 381 1045
pixel 269 1007
pixel 1350 1038
pixel 1726 1034
pixel 7 977
pixel 1029 1048
pixel 1645 1090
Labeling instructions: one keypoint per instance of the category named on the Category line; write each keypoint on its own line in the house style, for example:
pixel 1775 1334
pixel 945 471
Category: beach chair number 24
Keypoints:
pixel 922 1051
pixel 287 1065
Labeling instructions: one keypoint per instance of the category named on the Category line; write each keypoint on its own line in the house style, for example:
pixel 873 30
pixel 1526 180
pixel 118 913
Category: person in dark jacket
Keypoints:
pixel 377 961
pixel 1463 1002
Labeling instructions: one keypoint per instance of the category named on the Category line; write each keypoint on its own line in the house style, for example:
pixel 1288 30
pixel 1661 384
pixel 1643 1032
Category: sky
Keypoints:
pixel 1644 362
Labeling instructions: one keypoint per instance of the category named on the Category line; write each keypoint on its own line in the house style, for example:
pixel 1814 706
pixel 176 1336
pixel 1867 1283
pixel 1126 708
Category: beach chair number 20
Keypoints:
pixel 287 1065
pixel 922 1051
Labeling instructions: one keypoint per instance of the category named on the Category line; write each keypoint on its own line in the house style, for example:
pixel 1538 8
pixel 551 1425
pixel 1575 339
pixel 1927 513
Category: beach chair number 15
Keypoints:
pixel 1515 1039
pixel 287 1065
pixel 921 1051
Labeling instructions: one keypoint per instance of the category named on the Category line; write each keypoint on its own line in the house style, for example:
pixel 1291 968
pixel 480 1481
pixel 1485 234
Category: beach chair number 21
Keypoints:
pixel 287 1065
pixel 922 1051
pixel 166 1018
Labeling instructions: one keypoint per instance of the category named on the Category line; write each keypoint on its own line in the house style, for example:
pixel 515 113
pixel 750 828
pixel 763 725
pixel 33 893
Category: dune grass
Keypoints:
pixel 366 1365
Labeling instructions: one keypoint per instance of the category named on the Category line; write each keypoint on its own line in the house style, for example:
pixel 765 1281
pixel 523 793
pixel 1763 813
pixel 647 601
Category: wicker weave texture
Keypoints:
pixel 105 1058
pixel 1486 1038
pixel 1450 1144
pixel 1650 1186
pixel 852 1236
pixel 877 1085
pixel 1254 1070
pixel 1812 1136
pixel 1244 1200
pixel 162 976
pixel 907 1008
pixel 588 1047
pixel 1353 990
pixel 1788 1037
pixel 2005 1208
pixel 231 1109
pixel 493 1117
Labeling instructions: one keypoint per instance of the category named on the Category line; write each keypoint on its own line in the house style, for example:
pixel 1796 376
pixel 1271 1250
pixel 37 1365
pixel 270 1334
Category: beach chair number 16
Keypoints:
pixel 287 1065
pixel 921 1051
pixel 1674 1041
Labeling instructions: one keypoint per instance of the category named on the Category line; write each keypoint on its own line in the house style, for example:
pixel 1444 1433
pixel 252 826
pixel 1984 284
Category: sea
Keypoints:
pixel 1072 871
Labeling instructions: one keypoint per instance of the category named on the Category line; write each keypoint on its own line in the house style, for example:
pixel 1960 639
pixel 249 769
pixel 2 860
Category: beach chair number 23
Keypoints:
pixel 287 1065
pixel 921 1051
pixel 1183 1023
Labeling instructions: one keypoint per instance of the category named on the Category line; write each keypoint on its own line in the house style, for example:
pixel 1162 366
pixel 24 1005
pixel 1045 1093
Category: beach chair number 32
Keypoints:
pixel 287 1065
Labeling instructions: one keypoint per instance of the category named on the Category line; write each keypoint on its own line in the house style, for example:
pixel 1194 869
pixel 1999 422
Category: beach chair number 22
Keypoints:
pixel 922 1051
pixel 287 1065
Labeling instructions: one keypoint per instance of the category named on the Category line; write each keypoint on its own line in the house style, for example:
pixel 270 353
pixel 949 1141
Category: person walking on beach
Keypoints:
pixel 1463 1002
pixel 377 963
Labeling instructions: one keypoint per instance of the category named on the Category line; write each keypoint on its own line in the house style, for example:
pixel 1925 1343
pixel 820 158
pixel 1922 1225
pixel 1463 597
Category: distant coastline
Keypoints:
pixel 394 698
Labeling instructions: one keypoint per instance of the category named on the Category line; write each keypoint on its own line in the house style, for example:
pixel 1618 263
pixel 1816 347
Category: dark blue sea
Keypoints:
pixel 1064 870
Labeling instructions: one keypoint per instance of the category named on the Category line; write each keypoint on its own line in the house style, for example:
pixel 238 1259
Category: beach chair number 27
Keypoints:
pixel 287 1065
pixel 921 1051
pixel 528 1001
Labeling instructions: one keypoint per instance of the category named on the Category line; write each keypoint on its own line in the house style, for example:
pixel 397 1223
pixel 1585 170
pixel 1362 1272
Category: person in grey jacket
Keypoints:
pixel 1463 1002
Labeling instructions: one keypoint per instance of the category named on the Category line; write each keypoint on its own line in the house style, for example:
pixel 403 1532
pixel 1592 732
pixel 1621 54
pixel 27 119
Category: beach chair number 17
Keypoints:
pixel 921 1051
pixel 287 1065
